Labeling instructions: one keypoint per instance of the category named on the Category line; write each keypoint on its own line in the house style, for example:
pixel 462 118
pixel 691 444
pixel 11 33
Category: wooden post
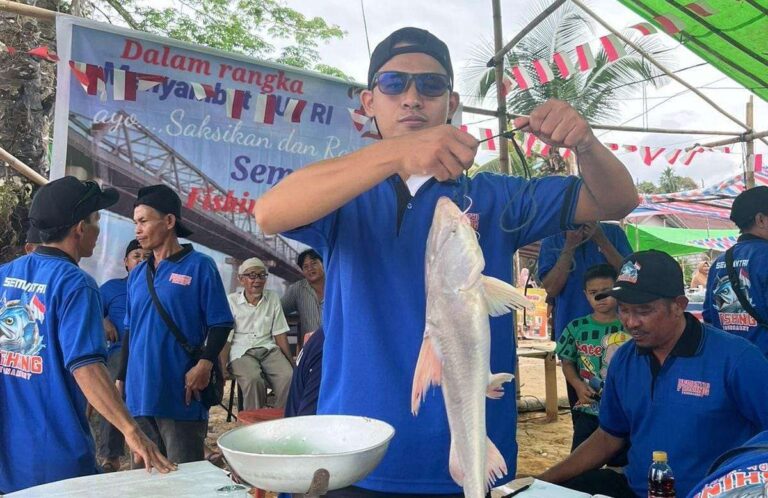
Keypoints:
pixel 749 176
pixel 550 379
pixel 22 168
pixel 501 100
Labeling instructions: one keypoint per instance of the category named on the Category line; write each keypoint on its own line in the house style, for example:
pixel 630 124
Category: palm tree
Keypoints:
pixel 668 181
pixel 596 94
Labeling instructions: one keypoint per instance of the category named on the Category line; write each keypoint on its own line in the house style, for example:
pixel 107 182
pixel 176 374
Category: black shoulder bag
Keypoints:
pixel 214 391
pixel 733 277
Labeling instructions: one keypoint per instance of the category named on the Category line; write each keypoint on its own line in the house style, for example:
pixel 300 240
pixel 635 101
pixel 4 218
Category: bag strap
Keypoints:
pixel 164 314
pixel 733 277
pixel 735 452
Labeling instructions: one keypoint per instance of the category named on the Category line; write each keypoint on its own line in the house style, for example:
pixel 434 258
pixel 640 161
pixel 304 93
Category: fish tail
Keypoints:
pixel 429 372
pixel 495 381
pixel 495 466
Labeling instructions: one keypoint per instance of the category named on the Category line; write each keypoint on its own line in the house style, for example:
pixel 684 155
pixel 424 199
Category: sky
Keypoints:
pixel 468 24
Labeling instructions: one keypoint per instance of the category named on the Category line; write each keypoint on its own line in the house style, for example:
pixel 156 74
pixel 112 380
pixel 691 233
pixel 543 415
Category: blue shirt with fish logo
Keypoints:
pixel 50 325
pixel 375 305
pixel 721 306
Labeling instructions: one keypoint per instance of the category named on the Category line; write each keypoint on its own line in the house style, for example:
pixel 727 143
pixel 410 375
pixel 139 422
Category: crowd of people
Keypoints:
pixel 142 350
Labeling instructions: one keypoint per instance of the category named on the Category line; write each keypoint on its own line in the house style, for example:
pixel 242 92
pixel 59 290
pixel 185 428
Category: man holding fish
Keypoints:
pixel 359 212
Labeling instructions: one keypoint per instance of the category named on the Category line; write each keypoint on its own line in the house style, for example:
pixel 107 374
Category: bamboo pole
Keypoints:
pixel 744 137
pixel 749 171
pixel 22 168
pixel 501 100
pixel 29 10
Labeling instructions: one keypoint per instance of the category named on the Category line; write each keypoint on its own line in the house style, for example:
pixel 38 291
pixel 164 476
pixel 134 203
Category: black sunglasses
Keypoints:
pixel 396 82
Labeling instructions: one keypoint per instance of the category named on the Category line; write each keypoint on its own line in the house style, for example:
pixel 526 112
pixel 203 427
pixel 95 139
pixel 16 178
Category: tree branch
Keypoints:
pixel 124 14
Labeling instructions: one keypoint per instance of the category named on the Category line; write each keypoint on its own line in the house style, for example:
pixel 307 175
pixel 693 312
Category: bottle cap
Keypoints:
pixel 659 456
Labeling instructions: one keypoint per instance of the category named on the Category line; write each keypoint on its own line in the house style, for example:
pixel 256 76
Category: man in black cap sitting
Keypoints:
pixel 177 319
pixel 52 348
pixel 737 285
pixel 678 386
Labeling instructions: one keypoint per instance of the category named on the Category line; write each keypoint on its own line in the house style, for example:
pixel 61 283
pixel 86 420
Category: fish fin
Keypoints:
pixel 502 297
pixel 495 466
pixel 454 466
pixel 429 372
pixel 495 381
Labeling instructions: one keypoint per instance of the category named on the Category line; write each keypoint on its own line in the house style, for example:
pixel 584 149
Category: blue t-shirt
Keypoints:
pixel 305 384
pixel 189 287
pixel 113 296
pixel 375 305
pixel 721 306
pixel 50 325
pixel 744 474
pixel 708 397
pixel 571 303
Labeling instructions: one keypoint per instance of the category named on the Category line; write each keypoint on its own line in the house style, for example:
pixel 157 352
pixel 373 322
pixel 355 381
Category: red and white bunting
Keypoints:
pixel 629 148
pixel 756 162
pixel 649 154
pixel 293 110
pixel 523 79
pixel 235 100
pixel 91 78
pixel 612 146
pixel 6 48
pixel 645 28
pixel 567 153
pixel 359 119
pixel 545 149
pixel 670 23
pixel 490 143
pixel 203 91
pixel 543 71
pixel 688 158
pixel 614 48
pixel 586 60
pixel 43 53
pixel 530 141
pixel 564 64
pixel 264 108
pixel 149 81
pixel 507 84
pixel 124 85
pixel 701 8
pixel 672 155
pixel 726 149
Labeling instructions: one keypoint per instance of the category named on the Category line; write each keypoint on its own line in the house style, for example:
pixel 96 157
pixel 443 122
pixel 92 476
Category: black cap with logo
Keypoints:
pixel 748 204
pixel 164 199
pixel 418 41
pixel 65 202
pixel 646 276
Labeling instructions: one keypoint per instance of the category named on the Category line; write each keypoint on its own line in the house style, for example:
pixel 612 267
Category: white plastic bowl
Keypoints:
pixel 283 455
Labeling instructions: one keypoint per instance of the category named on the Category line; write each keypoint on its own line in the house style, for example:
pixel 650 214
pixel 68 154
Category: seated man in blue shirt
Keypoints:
pixel 678 386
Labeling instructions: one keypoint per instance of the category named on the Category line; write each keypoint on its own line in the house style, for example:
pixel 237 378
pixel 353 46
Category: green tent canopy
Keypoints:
pixel 734 39
pixel 674 241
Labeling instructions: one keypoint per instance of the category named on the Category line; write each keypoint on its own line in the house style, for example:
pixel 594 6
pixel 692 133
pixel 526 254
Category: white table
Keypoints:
pixel 541 489
pixel 197 479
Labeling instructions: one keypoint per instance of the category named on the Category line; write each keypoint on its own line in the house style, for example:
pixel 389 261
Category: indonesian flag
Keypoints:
pixel 530 141
pixel 264 109
pixel 124 85
pixel 612 146
pixel 670 23
pixel 543 71
pixel 614 48
pixel 490 143
pixel 359 119
pixel 149 81
pixel 202 91
pixel 293 110
pixel 645 28
pixel 524 80
pixel 756 162
pixel 691 154
pixel 43 53
pixel 37 308
pixel 507 84
pixel 235 100
pixel 701 8
pixel 648 154
pixel 91 78
pixel 564 64
pixel 672 155
pixel 726 149
pixel 585 58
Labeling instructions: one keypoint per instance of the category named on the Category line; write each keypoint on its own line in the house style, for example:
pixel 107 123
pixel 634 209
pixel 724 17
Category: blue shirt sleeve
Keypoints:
pixel 613 420
pixel 747 386
pixel 215 305
pixel 81 333
pixel 708 313
pixel 318 234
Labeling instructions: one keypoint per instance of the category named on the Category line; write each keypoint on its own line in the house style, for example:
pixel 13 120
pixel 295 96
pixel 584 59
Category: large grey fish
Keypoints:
pixel 455 353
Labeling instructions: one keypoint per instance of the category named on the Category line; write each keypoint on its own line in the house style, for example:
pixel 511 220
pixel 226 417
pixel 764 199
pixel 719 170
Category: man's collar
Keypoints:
pixel 689 342
pixel 54 251
pixel 748 236
pixel 173 258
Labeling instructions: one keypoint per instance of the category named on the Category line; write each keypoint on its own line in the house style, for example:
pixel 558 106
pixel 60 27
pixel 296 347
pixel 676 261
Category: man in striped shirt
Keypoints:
pixel 306 296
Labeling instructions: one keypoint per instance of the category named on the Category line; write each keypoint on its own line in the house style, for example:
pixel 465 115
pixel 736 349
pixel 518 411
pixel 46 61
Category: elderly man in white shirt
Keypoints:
pixel 258 347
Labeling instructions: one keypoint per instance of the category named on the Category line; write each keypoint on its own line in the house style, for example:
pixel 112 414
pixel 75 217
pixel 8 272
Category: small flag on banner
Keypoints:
pixel 264 109
pixel 530 141
pixel 507 84
pixel 235 99
pixel 648 154
pixel 756 162
pixel 490 143
pixel 702 8
pixel 149 81
pixel 585 57
pixel 124 85
pixel 645 28
pixel 38 308
pixel 670 23
pixel 564 64
pixel 78 70
pixel 691 154
pixel 293 110
pixel 523 79
pixel 203 91
pixel 43 53
pixel 543 71
pixel 91 78
pixel 672 155
pixel 358 118
pixel 614 48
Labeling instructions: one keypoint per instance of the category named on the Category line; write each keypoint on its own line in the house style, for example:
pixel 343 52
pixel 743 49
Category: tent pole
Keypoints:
pixel 501 101
pixel 746 137
pixel 22 168
pixel 749 172
pixel 501 52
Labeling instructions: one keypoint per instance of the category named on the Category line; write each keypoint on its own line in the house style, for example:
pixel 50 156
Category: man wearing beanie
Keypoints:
pixel 358 211
pixel 52 348
pixel 737 285
pixel 678 386
pixel 177 291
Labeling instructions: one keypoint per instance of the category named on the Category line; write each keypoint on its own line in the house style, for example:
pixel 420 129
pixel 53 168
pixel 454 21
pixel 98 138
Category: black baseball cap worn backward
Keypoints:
pixel 412 40
pixel 646 276
pixel 748 204
pixel 65 202
pixel 163 199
